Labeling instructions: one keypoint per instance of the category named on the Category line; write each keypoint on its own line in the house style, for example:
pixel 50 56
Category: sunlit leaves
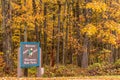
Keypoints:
pixel 97 6
pixel 53 1
pixel 114 11
pixel 39 18
pixel 15 5
pixel 109 38
pixel 111 25
pixel 109 31
pixel 89 30
pixel 45 1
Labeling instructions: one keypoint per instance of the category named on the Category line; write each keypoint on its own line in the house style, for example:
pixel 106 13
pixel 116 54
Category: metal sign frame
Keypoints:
pixel 22 65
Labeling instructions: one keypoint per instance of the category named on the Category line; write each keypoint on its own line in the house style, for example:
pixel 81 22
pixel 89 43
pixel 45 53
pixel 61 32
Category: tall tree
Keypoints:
pixel 85 42
pixel 64 48
pixel 58 41
pixel 25 40
pixel 7 41
pixel 45 33
pixel 52 59
pixel 76 14
pixel 35 22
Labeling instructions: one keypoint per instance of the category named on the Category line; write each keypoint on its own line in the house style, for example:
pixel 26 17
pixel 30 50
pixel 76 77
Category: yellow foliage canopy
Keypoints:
pixel 89 29
pixel 97 6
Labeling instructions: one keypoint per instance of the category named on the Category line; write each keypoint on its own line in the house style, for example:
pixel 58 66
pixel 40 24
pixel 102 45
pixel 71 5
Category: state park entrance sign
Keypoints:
pixel 29 55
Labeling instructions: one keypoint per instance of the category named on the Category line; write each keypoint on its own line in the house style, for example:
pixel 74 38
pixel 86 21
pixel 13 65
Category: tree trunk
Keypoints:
pixel 112 54
pixel 84 62
pixel 45 34
pixel 58 41
pixel 77 29
pixel 68 33
pixel 35 22
pixel 25 40
pixel 52 60
pixel 118 52
pixel 7 34
pixel 66 37
pixel 63 30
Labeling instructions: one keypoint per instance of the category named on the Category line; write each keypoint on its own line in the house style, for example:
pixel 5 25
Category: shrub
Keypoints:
pixel 117 63
pixel 2 64
pixel 104 69
pixel 61 70
pixel 73 70
pixel 32 72
pixel 95 69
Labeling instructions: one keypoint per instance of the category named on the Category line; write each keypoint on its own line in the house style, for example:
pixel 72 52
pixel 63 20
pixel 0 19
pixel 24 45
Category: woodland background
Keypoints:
pixel 77 37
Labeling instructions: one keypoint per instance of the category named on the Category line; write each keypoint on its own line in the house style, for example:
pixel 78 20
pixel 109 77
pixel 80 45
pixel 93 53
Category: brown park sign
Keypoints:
pixel 29 54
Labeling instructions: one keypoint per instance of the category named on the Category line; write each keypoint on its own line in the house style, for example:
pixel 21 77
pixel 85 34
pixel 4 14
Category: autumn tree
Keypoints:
pixel 7 35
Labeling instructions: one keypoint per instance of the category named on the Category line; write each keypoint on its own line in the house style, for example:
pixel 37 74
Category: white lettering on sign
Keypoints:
pixel 30 61
pixel 26 62
pixel 35 51
pixel 25 51
pixel 29 45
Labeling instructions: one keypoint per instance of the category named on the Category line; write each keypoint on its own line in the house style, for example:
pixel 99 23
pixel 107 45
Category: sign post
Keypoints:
pixel 29 55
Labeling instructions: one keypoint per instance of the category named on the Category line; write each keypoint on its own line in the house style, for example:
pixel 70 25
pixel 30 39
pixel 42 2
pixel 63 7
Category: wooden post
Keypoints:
pixel 39 68
pixel 19 69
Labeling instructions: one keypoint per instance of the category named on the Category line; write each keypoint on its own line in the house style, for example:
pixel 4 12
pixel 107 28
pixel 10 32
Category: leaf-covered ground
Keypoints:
pixel 66 78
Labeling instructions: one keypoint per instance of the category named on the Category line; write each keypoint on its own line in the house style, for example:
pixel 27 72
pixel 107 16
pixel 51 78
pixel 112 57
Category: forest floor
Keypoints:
pixel 67 78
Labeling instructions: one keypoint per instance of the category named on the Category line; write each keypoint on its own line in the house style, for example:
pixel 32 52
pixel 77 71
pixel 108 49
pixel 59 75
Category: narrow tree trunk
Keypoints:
pixel 25 40
pixel 65 31
pixel 112 54
pixel 25 27
pixel 63 50
pixel 118 52
pixel 45 34
pixel 66 37
pixel 77 29
pixel 21 38
pixel 25 33
pixel 52 60
pixel 58 41
pixel 35 22
pixel 63 47
pixel 70 54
